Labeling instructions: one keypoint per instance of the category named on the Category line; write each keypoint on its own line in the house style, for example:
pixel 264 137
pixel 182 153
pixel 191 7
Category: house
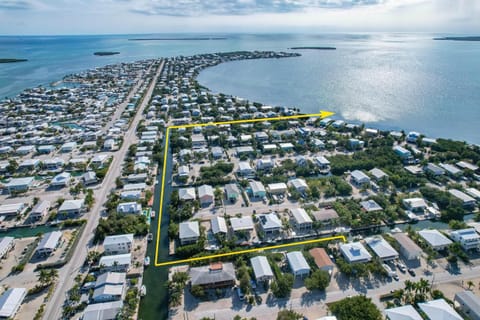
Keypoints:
pixel 298 264
pixel 433 169
pixel 13 209
pixel 24 150
pixel 217 152
pixel 257 190
pixel 286 146
pixel 231 192
pixel 245 170
pixel 406 312
pixel 187 194
pixel 270 223
pixel 46 149
pixel 403 153
pixel 469 304
pixel 242 224
pixel 261 136
pixel 109 144
pixel 29 165
pixel 244 150
pixel 102 311
pixel 465 198
pixel 299 185
pixel 10 302
pixel 359 178
pixel 408 248
pixel 135 187
pixel 218 225
pixel 118 244
pixel 53 164
pixel 48 244
pixel 412 137
pixel 89 177
pixel 99 160
pixel 6 245
pixel 466 166
pixel 451 170
pixel 436 240
pixel 205 195
pixel 71 208
pixel 417 205
pixel 40 210
pixel 322 260
pixel 382 248
pixel 131 195
pixel 370 206
pixel 19 184
pixel 325 215
pixel 469 239
pixel 265 164
pixel 301 219
pixel 378 174
pixel 322 163
pixel 439 309
pixel 137 178
pixel 110 286
pixel 129 208
pixel 61 180
pixel 216 275
pixel 355 252
pixel 277 188
pixel 189 232
pixel 68 147
pixel 119 262
pixel 198 141
pixel 183 171
pixel 261 268
pixel 355 144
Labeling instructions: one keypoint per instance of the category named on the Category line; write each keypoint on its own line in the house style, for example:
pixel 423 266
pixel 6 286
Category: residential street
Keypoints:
pixel 68 272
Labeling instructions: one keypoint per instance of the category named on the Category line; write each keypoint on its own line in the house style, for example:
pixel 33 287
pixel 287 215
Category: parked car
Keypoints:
pixel 412 272
pixel 240 294
pixel 401 267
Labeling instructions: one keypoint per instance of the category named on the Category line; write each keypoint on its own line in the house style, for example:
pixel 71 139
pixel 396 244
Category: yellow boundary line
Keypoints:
pixel 321 115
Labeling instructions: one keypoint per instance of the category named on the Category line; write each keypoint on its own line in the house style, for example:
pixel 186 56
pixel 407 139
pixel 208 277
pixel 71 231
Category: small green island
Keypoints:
pixel 106 53
pixel 7 60
pixel 313 48
pixel 468 38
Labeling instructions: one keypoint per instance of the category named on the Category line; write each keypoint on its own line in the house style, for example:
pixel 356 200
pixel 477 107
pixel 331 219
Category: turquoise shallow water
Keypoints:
pixel 394 81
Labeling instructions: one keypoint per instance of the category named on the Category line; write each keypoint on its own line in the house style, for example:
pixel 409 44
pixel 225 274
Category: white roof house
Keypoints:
pixel 415 204
pixel 129 208
pixel 241 224
pixel 469 303
pixel 299 184
pixel 72 206
pixel 61 179
pixel 245 169
pixel 382 248
pixel 119 243
pixel 102 311
pixel 370 206
pixel 473 192
pixel 186 194
pixel 10 302
pixel 439 309
pixel 257 188
pixel 301 218
pixel 355 252
pixel 6 244
pixel 270 222
pixel 261 268
pixel 183 171
pixel 49 242
pixel 359 178
pixel 277 188
pixel 435 239
pixel 19 184
pixel 11 209
pixel 298 264
pixel 468 238
pixel 189 232
pixel 205 194
pixel 403 313
pixel 378 174
pixel 119 262
pixel 465 198
pixel 218 225
pixel 409 249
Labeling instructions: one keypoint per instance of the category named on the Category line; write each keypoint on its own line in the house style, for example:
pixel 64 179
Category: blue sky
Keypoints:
pixel 157 16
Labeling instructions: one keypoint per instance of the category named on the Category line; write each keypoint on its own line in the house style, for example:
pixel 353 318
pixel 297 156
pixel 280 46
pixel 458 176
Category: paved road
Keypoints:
pixel 313 304
pixel 68 272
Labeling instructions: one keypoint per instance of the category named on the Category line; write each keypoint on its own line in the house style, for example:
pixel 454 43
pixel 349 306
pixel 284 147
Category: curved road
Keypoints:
pixel 68 272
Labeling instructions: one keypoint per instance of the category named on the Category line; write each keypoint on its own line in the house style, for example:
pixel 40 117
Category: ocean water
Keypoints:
pixel 390 81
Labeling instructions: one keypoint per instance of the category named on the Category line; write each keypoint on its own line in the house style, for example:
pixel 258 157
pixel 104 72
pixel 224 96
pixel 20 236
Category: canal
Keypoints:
pixel 26 232
pixel 154 306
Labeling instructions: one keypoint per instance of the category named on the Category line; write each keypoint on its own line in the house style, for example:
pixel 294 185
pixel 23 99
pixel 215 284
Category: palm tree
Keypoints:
pixel 409 287
pixel 470 284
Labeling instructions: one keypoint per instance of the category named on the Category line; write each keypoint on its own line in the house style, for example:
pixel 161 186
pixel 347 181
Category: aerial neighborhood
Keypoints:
pixel 132 183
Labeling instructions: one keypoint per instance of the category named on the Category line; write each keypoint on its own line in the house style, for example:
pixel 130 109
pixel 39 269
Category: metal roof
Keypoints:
pixel 261 267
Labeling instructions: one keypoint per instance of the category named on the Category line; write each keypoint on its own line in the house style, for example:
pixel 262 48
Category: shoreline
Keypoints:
pixel 337 115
